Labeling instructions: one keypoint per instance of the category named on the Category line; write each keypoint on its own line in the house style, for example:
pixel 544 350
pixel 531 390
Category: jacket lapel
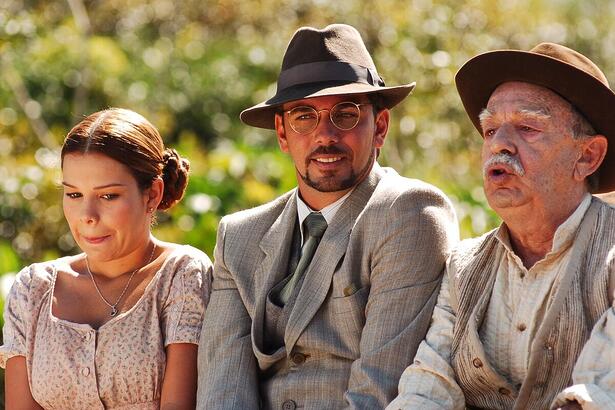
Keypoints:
pixel 330 251
pixel 275 245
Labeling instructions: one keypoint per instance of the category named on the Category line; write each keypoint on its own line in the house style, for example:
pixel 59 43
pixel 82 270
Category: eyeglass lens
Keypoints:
pixel 344 115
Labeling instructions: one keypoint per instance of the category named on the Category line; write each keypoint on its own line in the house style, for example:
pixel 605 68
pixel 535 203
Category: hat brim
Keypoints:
pixel 262 115
pixel 479 77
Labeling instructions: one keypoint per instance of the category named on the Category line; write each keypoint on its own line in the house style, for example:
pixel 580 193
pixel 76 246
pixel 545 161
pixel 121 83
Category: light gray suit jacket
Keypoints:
pixel 363 308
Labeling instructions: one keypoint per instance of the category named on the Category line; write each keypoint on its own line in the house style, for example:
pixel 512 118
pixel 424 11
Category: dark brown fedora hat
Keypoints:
pixel 331 61
pixel 568 73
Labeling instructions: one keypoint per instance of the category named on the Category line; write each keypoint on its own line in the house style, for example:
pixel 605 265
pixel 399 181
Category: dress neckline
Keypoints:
pixel 120 315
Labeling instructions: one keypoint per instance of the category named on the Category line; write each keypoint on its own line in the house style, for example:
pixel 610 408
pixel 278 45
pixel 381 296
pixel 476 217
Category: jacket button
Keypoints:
pixel 477 363
pixel 504 391
pixel 289 405
pixel 350 290
pixel 297 359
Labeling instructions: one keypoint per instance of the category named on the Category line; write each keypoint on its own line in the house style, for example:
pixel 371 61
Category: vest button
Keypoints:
pixel 289 405
pixel 521 327
pixel 477 363
pixel 504 391
pixel 297 359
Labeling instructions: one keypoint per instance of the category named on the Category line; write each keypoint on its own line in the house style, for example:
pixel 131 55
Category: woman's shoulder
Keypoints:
pixel 182 254
pixel 43 272
pixel 37 279
pixel 185 267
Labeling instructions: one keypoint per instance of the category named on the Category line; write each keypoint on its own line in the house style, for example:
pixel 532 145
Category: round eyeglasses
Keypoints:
pixel 344 115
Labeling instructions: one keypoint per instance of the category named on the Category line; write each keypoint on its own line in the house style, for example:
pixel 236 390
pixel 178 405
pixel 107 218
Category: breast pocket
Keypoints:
pixel 348 312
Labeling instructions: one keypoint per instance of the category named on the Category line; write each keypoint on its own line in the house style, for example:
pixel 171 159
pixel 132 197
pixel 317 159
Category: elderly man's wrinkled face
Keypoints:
pixel 529 152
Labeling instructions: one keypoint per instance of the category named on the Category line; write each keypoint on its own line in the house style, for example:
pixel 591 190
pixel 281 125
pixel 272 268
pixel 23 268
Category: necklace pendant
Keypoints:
pixel 114 310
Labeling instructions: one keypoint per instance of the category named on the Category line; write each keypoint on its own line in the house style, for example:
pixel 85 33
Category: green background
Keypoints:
pixel 191 66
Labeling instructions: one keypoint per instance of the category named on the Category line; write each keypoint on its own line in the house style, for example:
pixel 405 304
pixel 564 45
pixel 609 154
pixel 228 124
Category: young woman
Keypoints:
pixel 117 326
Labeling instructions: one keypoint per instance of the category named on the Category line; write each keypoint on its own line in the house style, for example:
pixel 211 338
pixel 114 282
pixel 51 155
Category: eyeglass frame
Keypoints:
pixel 358 105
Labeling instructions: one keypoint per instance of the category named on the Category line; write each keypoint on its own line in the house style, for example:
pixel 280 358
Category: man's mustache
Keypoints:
pixel 504 159
pixel 327 150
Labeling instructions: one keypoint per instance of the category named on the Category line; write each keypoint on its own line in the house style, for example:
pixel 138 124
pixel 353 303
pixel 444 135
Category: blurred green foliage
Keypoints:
pixel 191 66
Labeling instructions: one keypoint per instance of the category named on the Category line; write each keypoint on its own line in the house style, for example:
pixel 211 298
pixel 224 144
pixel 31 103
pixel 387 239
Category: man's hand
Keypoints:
pixel 573 405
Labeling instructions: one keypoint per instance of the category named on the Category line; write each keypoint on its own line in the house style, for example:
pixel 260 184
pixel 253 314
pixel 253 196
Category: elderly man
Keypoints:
pixel 322 296
pixel 513 324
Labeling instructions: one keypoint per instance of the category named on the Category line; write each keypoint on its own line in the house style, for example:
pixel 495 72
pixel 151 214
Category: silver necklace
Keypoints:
pixel 114 306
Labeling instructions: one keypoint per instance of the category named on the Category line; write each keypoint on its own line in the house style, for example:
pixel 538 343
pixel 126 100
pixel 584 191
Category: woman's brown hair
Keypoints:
pixel 130 139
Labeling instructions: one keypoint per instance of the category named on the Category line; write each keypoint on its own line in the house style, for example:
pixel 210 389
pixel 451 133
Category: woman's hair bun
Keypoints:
pixel 175 176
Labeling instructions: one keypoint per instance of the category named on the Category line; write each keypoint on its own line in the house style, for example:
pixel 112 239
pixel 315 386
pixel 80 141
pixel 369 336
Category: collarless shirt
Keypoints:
pixel 328 212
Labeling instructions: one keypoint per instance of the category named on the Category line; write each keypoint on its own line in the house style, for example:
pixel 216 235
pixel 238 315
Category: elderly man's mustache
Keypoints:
pixel 504 159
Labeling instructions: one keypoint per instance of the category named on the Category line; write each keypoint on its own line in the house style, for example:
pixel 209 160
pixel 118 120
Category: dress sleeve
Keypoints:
pixel 16 317
pixel 183 312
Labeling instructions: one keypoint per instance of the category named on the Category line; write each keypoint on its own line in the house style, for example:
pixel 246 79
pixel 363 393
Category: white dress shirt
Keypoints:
pixel 328 212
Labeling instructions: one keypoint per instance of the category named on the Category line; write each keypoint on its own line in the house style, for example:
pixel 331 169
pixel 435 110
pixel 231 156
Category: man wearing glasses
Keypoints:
pixel 321 297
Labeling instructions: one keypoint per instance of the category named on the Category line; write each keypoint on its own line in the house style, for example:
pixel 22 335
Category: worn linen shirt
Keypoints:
pixel 593 376
pixel 119 365
pixel 519 300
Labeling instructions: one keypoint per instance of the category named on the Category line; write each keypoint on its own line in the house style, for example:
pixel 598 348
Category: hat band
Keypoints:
pixel 321 71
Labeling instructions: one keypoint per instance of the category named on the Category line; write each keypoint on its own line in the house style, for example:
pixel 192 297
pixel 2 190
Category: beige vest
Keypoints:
pixel 581 298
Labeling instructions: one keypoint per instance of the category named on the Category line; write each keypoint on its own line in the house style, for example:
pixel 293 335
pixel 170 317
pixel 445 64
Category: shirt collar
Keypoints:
pixel 564 234
pixel 328 212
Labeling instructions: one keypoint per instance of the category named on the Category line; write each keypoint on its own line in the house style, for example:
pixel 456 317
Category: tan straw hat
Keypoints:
pixel 569 73
pixel 331 61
